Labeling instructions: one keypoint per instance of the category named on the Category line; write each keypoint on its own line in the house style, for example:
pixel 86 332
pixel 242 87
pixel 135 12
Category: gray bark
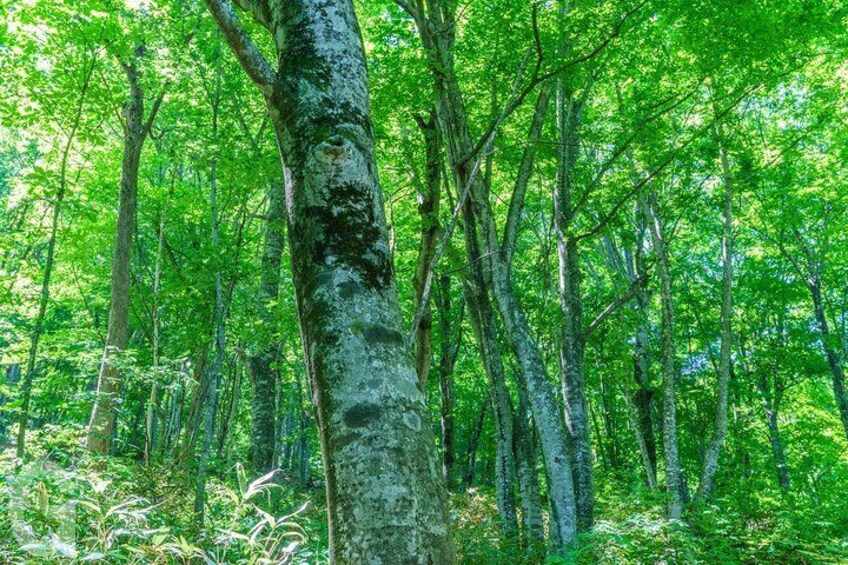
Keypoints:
pixel 532 518
pixel 573 340
pixel 673 473
pixel 153 401
pixel 213 376
pixel 711 457
pixel 831 351
pixel 470 471
pixel 450 337
pixel 771 400
pixel 437 37
pixel 386 498
pixel 429 195
pixel 482 318
pixel 644 393
pixel 109 380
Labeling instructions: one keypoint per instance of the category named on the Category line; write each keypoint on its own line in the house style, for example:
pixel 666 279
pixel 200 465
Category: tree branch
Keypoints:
pixel 540 78
pixel 148 125
pixel 615 305
pixel 245 50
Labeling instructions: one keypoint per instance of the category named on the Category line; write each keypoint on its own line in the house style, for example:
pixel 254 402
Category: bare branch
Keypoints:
pixel 246 51
pixel 615 305
pixel 153 111
pixel 539 78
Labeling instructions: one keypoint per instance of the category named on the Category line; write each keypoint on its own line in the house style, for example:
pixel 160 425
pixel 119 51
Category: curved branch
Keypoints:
pixel 245 50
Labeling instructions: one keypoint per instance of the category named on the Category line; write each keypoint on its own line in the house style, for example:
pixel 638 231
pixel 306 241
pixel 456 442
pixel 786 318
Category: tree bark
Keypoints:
pixel 573 341
pixel 673 473
pixel 386 498
pixel 263 373
pixel 213 376
pixel 482 318
pixel 437 37
pixel 771 408
pixel 831 351
pixel 117 335
pixel 644 393
pixel 449 342
pixel 470 471
pixel 711 458
pixel 524 446
pixel 429 196
pixel 153 401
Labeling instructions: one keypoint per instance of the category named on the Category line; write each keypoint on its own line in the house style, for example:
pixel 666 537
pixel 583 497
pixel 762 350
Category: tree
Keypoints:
pixel 385 495
pixel 137 126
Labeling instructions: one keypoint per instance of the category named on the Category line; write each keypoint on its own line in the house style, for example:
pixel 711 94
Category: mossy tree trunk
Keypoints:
pixel 386 498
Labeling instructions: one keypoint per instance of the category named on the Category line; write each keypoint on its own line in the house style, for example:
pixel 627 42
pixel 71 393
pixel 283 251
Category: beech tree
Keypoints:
pixel 385 494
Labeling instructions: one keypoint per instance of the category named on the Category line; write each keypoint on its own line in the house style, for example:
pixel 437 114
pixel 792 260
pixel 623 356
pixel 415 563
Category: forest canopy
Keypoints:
pixel 423 281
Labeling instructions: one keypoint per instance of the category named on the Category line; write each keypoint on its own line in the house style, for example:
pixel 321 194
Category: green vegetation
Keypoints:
pixel 576 270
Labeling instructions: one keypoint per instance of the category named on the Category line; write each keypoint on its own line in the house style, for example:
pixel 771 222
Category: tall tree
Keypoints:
pixel 711 458
pixel 136 128
pixel 673 472
pixel 263 439
pixel 386 498
pixel 89 63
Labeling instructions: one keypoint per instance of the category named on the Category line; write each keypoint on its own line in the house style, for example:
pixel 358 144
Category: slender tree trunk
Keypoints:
pixel 450 337
pixel 719 434
pixel 117 335
pixel 524 446
pixel 44 296
pixel 771 406
pixel 213 377
pixel 223 445
pixel 573 341
pixel 673 473
pixel 153 402
pixel 263 373
pixel 386 498
pixel 482 319
pixel 429 196
pixel 437 37
pixel 470 471
pixel 304 422
pixel 644 394
pixel 831 351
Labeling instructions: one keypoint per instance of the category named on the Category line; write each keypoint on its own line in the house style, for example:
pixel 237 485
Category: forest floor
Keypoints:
pixel 63 508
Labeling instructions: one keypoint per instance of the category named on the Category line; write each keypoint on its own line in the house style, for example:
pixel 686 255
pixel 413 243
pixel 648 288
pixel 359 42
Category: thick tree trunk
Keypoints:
pixel 719 434
pixel 386 498
pixel 263 372
pixel 673 473
pixel 117 335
